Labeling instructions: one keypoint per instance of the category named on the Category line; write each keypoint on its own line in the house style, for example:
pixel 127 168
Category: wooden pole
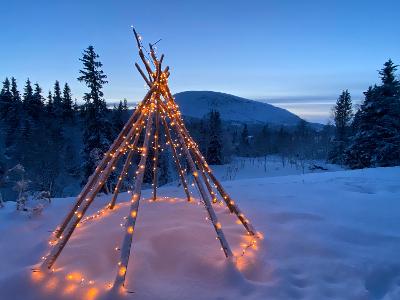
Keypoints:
pixel 207 203
pixel 131 220
pixel 104 162
pixel 81 210
pixel 145 62
pixel 206 181
pixel 167 95
pixel 200 159
pixel 142 74
pixel 176 158
pixel 124 171
pixel 155 166
pixel 114 158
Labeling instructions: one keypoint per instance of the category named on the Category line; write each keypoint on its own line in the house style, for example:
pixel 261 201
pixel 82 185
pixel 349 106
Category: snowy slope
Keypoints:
pixel 232 108
pixel 333 235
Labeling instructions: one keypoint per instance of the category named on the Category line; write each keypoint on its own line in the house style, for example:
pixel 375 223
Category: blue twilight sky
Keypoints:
pixel 297 54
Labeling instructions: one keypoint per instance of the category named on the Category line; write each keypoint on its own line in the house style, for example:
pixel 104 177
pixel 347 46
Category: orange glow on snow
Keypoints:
pixel 37 276
pixel 51 284
pixel 69 289
pixel 91 294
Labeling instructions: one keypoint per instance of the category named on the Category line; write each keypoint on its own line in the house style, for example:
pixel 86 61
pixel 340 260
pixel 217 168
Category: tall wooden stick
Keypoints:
pixel 167 95
pixel 140 47
pixel 105 160
pixel 155 165
pixel 81 210
pixel 207 203
pixel 193 146
pixel 124 171
pixel 206 181
pixel 131 220
pixel 176 158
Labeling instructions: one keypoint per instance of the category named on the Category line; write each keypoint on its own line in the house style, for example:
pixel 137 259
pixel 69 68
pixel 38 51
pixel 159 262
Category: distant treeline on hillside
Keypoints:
pixel 56 143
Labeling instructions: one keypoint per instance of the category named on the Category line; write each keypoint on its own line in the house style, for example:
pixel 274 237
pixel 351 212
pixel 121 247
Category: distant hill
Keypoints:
pixel 196 104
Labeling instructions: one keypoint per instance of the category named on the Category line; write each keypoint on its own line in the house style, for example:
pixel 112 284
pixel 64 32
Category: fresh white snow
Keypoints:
pixel 331 235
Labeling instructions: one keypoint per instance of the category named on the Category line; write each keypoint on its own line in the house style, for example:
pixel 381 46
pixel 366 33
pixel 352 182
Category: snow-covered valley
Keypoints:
pixel 331 235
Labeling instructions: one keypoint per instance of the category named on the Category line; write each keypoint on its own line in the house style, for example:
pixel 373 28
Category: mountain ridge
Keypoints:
pixel 232 108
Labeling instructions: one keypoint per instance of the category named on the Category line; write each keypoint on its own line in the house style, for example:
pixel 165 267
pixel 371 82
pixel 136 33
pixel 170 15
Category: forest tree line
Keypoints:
pixel 58 142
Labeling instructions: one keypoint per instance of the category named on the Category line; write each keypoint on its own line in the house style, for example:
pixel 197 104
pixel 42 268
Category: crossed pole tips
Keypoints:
pixel 156 113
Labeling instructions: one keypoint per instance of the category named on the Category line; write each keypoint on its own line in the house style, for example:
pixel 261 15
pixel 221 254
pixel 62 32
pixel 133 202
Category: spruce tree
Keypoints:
pixel 50 105
pixel 262 141
pixel 5 99
pixel 376 141
pixel 97 129
pixel 27 96
pixel 75 107
pixel 214 150
pixel 118 118
pixel 57 100
pixel 13 117
pixel 125 105
pixel 244 145
pixel 36 106
pixel 342 115
pixel 67 104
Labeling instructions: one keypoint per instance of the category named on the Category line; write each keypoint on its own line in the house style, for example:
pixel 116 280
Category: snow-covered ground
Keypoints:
pixel 332 235
pixel 269 166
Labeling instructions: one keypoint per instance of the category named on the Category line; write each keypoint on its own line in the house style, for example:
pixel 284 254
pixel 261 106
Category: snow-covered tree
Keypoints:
pixel 376 141
pixel 20 186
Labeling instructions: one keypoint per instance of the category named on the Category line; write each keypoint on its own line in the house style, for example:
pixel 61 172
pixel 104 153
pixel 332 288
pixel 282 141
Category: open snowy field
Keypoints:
pixel 332 235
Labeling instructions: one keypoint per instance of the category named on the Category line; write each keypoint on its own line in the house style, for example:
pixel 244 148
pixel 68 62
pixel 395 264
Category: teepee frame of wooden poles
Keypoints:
pixel 158 106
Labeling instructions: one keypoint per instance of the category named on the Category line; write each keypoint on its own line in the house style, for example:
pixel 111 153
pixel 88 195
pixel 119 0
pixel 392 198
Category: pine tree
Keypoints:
pixel 50 105
pixel 204 137
pixel 14 90
pixel 244 145
pixel 13 117
pixel 67 104
pixel 97 133
pixel 5 99
pixel 57 100
pixel 75 107
pixel 376 141
pixel 27 96
pixel 37 105
pixel 125 105
pixel 214 150
pixel 93 76
pixel 262 141
pixel 118 118
pixel 342 114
